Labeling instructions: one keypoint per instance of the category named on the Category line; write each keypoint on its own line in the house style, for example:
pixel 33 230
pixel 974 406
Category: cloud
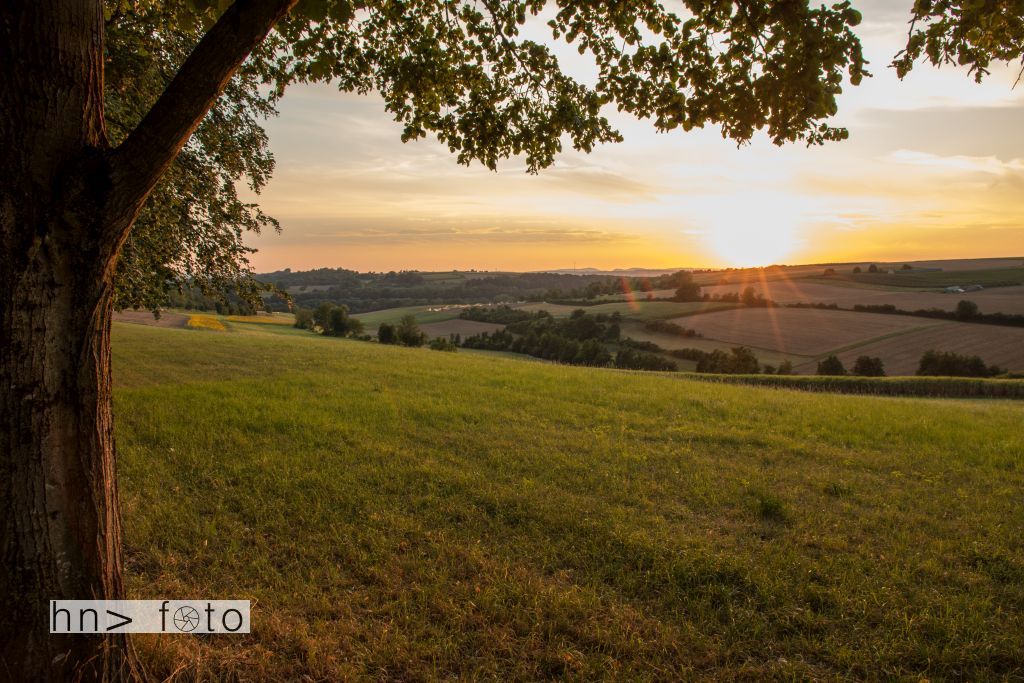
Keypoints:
pixel 958 164
pixel 390 232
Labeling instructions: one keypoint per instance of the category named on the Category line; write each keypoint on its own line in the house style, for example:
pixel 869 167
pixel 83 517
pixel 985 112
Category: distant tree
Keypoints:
pixel 856 269
pixel 829 272
pixel 303 318
pixel 872 268
pixel 869 366
pixel 322 315
pixel 768 369
pixel 966 310
pixel 751 297
pixel 831 366
pixel 948 364
pixel 340 324
pixel 686 288
pixel 906 266
pixel 743 362
pixel 408 332
pixel 593 353
pixel 386 334
pixel 738 361
pixel 785 368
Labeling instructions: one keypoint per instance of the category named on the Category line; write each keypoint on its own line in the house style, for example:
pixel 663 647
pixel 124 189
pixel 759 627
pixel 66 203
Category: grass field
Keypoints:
pixel 423 314
pixel 939 279
pixel 404 514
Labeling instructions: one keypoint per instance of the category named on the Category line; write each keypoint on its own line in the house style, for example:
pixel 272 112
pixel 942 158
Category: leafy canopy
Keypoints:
pixel 971 33
pixel 481 75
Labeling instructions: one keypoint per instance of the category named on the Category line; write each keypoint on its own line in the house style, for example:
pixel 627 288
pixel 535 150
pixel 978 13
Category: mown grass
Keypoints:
pixel 403 514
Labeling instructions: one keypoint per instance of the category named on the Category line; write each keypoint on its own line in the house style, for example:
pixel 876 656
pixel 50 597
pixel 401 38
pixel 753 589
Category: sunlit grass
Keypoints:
pixel 404 514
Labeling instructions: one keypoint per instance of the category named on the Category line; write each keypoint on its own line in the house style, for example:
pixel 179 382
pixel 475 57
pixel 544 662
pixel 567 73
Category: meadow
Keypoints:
pixel 404 514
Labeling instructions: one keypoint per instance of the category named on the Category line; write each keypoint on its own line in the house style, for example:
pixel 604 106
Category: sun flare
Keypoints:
pixel 754 230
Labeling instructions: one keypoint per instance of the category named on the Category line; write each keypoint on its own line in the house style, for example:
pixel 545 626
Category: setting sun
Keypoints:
pixel 754 230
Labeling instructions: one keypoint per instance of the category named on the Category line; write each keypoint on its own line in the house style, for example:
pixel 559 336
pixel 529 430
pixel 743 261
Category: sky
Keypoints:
pixel 933 168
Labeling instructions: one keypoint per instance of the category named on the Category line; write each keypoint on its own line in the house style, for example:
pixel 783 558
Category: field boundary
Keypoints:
pixel 915 387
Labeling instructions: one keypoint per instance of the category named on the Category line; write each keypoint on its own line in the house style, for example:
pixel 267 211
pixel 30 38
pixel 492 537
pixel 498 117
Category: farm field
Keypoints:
pixel 939 279
pixel 995 300
pixel 416 515
pixel 1002 346
pixel 669 341
pixel 800 331
pixel 423 314
pixel 167 318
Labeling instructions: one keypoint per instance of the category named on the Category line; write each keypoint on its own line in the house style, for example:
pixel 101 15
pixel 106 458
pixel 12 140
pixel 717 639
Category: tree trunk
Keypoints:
pixel 66 205
pixel 60 532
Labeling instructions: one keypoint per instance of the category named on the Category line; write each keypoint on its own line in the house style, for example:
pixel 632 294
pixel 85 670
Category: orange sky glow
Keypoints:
pixel 934 168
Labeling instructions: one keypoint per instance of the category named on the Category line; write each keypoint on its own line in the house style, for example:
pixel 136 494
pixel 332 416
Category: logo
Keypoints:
pixel 150 616
pixel 186 619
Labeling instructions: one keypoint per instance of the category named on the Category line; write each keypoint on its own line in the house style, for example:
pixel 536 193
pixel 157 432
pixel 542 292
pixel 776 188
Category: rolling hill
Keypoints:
pixel 405 514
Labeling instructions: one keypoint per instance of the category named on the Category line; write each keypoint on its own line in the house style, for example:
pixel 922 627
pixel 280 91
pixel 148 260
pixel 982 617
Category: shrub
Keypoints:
pixel 869 366
pixel 872 268
pixel 442 344
pixel 831 366
pixel 303 318
pixel 966 310
pixel 785 368
pixel 632 359
pixel 386 334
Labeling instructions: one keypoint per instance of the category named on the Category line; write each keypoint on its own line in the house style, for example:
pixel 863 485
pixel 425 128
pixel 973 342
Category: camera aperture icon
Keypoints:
pixel 186 619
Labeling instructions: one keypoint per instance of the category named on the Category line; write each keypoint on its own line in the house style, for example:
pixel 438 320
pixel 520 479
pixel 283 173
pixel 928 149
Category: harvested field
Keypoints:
pixel 801 331
pixel 458 326
pixel 673 341
pixel 995 300
pixel 167 318
pixel 1002 346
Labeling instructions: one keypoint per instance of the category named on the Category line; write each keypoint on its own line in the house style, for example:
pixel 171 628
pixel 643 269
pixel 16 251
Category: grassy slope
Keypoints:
pixel 407 514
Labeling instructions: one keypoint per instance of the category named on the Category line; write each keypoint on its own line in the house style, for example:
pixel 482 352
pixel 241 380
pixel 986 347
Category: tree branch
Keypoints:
pixel 138 163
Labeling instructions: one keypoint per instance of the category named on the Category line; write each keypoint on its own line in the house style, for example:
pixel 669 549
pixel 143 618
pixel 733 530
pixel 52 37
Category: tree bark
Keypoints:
pixel 67 203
